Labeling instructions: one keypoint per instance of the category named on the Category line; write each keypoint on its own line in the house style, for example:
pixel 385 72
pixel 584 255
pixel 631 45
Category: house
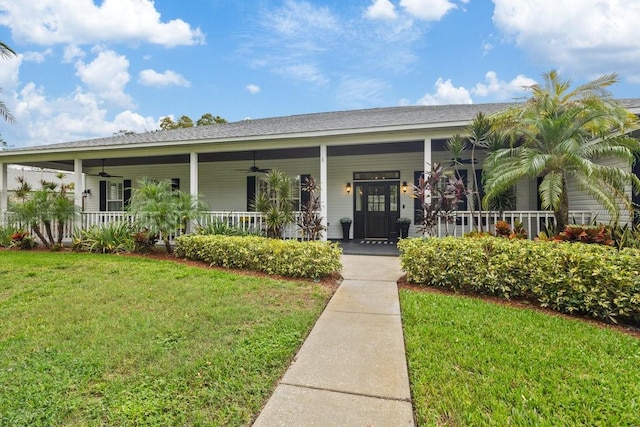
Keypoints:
pixel 363 160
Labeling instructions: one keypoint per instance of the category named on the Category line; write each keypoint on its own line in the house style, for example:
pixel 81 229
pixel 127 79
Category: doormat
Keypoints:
pixel 376 242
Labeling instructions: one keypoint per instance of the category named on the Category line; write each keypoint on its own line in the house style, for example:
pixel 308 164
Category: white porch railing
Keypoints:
pixel 533 221
pixel 247 221
pixel 465 222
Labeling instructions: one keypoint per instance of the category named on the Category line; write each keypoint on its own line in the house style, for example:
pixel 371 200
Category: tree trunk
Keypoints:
pixel 476 191
pixel 36 229
pixel 47 227
pixel 167 245
pixel 60 232
pixel 561 214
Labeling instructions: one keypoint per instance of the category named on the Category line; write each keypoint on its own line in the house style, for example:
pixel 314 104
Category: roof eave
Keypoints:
pixel 252 138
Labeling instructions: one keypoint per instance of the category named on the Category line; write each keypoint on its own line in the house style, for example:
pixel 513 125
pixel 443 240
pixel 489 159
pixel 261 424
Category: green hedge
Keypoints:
pixel 289 258
pixel 596 280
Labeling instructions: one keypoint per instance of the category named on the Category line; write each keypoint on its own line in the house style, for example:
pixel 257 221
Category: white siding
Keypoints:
pixel 579 200
pixel 158 172
pixel 222 185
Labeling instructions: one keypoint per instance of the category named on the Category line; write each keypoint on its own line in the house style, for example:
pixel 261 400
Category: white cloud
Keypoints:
pixel 153 78
pixel 253 89
pixel 71 53
pixel 10 72
pixel 107 75
pixel 381 9
pixel 48 22
pixel 428 10
pixel 587 36
pixel 37 57
pixel 445 94
pixel 305 72
pixel 68 118
pixel 357 92
pixel 296 18
pixel 500 89
pixel 303 41
pixel 486 48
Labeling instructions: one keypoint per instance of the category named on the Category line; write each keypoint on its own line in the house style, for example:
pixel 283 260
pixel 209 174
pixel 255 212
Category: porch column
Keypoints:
pixel 78 190
pixel 427 155
pixel 427 167
pixel 193 181
pixel 4 193
pixel 78 184
pixel 324 211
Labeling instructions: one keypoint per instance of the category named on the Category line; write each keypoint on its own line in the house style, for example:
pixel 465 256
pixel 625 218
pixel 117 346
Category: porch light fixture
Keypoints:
pixel 86 192
pixel 404 186
pixel 348 188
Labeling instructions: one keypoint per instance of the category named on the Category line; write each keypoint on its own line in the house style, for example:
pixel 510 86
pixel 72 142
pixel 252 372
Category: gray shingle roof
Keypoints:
pixel 337 122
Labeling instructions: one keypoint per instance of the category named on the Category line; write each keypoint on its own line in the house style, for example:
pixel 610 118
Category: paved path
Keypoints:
pixel 351 370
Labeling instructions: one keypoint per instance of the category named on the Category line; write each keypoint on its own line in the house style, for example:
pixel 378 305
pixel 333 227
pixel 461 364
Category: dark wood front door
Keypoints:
pixel 376 209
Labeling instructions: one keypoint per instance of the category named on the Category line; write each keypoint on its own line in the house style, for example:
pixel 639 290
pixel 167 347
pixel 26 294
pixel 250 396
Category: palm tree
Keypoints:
pixel 275 203
pixel 161 209
pixel 560 134
pixel 6 52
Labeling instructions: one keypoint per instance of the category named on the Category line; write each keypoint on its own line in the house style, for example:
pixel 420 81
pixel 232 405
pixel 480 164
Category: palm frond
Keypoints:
pixel 551 189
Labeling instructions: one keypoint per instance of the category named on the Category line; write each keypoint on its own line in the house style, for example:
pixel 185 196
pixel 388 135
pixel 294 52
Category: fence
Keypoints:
pixel 247 221
pixel 464 222
pixel 533 221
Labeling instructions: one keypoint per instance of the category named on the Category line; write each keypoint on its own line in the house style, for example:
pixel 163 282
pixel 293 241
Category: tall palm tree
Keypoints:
pixel 560 134
pixel 6 52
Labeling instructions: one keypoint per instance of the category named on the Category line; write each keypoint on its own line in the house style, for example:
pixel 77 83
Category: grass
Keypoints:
pixel 109 340
pixel 475 363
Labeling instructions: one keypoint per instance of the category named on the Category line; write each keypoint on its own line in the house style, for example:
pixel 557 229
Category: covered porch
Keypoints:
pixel 367 180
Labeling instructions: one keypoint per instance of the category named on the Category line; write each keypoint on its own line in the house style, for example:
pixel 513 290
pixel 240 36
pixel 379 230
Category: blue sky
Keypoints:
pixel 91 68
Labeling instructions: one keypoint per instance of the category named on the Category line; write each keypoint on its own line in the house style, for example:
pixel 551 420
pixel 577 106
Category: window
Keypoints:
pixel 295 191
pixel 115 196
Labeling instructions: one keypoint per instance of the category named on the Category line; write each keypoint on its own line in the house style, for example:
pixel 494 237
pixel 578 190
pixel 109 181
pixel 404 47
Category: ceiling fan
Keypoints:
pixel 254 168
pixel 104 174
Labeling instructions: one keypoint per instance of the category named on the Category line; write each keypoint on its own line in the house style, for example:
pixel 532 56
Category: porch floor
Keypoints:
pixel 368 247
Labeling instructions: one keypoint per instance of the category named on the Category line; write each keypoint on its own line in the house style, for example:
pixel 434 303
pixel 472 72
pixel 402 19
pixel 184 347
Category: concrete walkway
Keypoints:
pixel 351 370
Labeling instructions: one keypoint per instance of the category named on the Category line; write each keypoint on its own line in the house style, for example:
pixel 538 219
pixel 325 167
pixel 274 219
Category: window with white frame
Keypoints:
pixel 115 196
pixel 295 191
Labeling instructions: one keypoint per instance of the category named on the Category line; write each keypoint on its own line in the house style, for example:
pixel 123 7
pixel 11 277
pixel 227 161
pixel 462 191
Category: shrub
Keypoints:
pixel 597 234
pixel 23 240
pixel 222 227
pixel 289 258
pixel 626 236
pixel 6 231
pixel 594 280
pixel 114 237
pixel 503 229
pixel 144 241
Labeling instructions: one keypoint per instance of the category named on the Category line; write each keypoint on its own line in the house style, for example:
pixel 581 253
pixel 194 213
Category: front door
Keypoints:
pixel 376 209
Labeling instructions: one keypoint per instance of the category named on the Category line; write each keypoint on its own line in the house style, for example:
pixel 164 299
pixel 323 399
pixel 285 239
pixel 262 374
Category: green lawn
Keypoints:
pixel 111 340
pixel 475 363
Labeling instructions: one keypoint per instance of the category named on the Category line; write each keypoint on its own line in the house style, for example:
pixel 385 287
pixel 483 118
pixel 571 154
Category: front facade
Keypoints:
pixel 364 161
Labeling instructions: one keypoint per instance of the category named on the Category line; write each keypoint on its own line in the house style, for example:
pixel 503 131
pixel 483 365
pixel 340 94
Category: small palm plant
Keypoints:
pixel 161 209
pixel 275 203
pixel 49 206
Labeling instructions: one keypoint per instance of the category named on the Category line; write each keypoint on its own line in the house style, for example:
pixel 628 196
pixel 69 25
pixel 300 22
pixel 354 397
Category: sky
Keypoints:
pixel 88 69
